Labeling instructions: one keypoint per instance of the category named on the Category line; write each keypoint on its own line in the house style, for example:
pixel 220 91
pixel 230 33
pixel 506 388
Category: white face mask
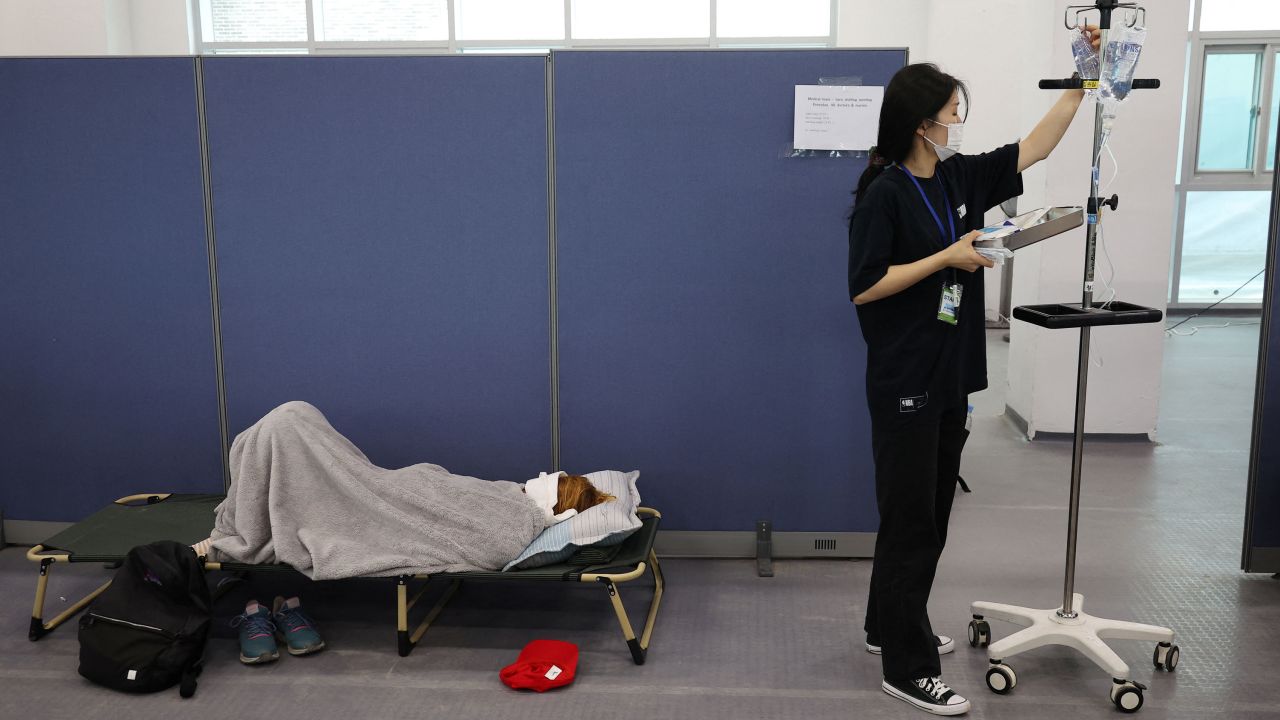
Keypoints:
pixel 955 135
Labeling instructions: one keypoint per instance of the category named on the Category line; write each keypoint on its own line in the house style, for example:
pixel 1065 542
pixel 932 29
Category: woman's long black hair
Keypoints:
pixel 915 93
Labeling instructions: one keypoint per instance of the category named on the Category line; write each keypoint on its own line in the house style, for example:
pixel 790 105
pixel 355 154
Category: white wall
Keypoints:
pixel 1000 48
pixel 53 27
pixel 874 24
pixel 160 27
pixel 94 27
pixel 1124 379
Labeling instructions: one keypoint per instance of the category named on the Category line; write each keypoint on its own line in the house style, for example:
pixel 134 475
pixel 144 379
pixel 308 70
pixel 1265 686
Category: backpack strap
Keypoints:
pixel 187 686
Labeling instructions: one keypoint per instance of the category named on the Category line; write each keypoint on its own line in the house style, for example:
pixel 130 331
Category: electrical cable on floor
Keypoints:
pixel 1197 328
pixel 1107 282
pixel 1207 309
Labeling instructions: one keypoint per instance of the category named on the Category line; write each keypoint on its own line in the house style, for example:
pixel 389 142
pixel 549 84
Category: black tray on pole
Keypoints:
pixel 1058 316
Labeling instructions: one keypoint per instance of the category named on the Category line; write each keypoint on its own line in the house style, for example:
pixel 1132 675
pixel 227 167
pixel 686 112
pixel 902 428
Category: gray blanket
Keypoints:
pixel 303 495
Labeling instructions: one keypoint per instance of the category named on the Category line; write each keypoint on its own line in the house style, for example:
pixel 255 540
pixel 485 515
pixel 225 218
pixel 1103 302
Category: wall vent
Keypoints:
pixel 824 544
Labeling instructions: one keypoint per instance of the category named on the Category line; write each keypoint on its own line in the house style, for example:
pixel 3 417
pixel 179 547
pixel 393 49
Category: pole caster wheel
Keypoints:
pixel 1166 657
pixel 1127 695
pixel 979 633
pixel 1001 679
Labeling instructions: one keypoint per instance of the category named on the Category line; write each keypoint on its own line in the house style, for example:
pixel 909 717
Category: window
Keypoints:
pixel 764 18
pixel 1229 110
pixel 1274 111
pixel 423 26
pixel 1228 15
pixel 241 21
pixel 510 19
pixel 1224 244
pixel 1229 146
pixel 374 20
pixel 619 19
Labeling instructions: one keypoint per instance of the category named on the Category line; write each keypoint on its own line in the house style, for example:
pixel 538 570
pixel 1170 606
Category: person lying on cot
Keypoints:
pixel 304 495
pixel 559 496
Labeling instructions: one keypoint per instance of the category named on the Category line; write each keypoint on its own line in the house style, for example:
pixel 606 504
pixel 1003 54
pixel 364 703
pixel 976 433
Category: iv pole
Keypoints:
pixel 1068 624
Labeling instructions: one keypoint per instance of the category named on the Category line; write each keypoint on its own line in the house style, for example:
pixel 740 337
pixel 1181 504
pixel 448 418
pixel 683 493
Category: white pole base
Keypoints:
pixel 1082 632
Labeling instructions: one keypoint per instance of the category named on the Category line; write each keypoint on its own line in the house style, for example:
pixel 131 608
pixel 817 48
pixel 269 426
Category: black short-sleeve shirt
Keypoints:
pixel 917 363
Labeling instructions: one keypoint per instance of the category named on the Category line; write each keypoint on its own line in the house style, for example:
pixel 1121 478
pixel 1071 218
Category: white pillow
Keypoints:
pixel 605 524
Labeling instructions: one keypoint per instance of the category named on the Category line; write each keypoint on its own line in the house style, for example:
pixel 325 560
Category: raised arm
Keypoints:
pixel 1049 131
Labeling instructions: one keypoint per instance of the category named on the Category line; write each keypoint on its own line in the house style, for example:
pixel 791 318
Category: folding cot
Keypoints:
pixel 107 536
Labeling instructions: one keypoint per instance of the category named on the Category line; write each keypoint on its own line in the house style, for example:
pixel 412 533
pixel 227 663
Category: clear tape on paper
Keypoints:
pixel 789 150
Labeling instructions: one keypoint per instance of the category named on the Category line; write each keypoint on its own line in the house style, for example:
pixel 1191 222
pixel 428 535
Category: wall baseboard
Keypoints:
pixel 1021 424
pixel 670 543
pixel 742 544
pixel 31 532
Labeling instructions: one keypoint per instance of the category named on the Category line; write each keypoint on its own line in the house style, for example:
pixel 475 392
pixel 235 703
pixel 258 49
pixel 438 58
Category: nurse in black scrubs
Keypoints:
pixel 917 283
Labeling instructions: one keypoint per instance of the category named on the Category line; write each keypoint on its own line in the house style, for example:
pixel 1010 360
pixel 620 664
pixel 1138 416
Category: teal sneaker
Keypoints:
pixel 300 634
pixel 257 635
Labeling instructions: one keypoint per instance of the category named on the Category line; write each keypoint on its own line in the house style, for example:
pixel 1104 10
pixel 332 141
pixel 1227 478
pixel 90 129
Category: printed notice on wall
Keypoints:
pixel 837 117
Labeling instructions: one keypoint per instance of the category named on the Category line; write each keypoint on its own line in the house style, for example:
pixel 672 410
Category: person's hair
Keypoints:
pixel 577 492
pixel 915 93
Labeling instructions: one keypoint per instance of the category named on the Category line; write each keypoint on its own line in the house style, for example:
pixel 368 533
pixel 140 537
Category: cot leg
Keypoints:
pixel 403 646
pixel 639 647
pixel 39 628
pixel 407 641
pixel 637 650
pixel 658 585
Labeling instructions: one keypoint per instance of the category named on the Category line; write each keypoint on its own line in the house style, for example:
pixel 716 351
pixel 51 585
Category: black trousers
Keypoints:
pixel 917 466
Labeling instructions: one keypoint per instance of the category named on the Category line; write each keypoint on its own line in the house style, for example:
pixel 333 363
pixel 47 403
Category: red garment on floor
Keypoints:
pixel 542 665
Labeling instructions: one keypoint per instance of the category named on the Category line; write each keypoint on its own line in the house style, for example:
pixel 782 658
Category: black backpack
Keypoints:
pixel 147 631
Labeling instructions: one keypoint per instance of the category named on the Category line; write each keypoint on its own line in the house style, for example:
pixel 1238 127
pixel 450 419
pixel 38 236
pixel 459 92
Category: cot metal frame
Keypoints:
pixel 639 647
pixel 609 576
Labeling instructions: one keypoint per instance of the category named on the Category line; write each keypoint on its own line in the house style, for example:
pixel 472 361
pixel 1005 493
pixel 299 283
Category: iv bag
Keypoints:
pixel 1120 60
pixel 1085 56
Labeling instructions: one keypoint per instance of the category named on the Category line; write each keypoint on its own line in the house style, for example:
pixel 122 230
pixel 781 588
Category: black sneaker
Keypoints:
pixel 929 694
pixel 945 645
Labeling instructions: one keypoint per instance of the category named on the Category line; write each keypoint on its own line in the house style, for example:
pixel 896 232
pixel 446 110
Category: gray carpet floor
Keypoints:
pixel 1159 542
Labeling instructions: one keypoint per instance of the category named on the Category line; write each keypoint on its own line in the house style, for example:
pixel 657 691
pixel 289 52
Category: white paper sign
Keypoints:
pixel 837 117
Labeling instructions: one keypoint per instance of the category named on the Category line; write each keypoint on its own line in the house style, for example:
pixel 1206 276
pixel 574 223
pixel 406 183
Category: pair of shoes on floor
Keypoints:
pixel 945 645
pixel 260 626
pixel 929 694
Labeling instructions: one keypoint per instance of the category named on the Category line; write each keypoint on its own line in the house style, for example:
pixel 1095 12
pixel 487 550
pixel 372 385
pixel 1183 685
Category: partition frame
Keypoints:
pixel 1253 558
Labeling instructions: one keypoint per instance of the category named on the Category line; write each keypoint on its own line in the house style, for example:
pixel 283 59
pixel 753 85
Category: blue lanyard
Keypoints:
pixel 951 223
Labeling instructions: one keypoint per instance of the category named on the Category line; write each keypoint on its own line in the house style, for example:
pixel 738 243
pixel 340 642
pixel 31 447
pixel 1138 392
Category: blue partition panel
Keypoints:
pixel 1262 535
pixel 382 251
pixel 107 382
pixel 705 332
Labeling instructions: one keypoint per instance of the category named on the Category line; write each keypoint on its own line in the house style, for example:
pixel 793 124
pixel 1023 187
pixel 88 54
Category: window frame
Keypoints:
pixel 1190 177
pixel 453 45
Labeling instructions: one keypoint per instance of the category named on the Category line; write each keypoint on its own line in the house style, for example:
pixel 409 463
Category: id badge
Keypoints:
pixel 949 306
